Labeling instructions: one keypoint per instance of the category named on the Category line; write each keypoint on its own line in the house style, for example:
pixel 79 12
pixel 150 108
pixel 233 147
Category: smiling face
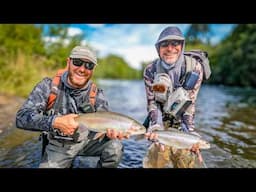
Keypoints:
pixel 78 76
pixel 170 50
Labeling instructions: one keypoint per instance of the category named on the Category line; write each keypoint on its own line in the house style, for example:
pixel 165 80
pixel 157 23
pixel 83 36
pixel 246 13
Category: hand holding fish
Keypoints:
pixel 196 149
pixel 152 136
pixel 112 124
pixel 66 124
pixel 114 134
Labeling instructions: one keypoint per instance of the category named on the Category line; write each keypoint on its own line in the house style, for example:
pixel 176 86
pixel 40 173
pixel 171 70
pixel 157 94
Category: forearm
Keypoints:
pixel 189 115
pixel 30 120
pixel 155 117
pixel 152 107
pixel 188 121
pixel 31 116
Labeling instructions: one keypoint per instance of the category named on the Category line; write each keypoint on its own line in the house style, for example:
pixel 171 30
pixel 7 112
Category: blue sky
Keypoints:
pixel 134 42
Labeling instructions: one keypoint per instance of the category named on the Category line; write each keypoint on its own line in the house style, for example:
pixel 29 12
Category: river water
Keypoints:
pixel 225 117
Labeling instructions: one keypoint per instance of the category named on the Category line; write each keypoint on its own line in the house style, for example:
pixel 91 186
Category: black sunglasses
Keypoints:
pixel 87 64
pixel 170 42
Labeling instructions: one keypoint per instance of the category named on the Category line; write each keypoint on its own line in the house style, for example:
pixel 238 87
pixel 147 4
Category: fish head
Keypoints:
pixel 204 144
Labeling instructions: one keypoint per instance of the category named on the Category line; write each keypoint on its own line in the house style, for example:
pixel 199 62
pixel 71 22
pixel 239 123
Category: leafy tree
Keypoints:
pixel 115 67
pixel 26 38
pixel 60 44
pixel 196 32
pixel 236 57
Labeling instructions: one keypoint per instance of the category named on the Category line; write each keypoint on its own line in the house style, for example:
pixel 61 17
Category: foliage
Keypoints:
pixel 114 67
pixel 19 37
pixel 60 44
pixel 235 57
pixel 196 32
pixel 20 74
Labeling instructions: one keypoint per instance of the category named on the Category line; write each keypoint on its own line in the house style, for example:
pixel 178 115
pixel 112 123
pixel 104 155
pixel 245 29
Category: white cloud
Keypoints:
pixel 134 42
pixel 72 31
pixel 135 55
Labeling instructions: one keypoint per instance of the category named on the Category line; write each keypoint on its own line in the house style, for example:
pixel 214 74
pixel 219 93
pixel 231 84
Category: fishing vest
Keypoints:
pixel 191 58
pixel 56 86
pixel 190 64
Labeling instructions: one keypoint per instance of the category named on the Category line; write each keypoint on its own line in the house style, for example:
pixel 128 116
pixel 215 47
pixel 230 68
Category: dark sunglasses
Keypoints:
pixel 87 64
pixel 170 42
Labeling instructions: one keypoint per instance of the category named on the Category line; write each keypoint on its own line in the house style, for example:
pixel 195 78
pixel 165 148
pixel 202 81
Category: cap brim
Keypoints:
pixel 169 37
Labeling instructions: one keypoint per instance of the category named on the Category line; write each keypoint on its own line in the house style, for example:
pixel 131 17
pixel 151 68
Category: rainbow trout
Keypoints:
pixel 180 140
pixel 103 120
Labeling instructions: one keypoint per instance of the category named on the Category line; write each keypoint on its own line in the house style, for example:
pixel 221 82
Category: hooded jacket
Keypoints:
pixel 175 71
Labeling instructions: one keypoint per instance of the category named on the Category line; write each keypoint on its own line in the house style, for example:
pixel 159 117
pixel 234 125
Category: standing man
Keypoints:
pixel 54 104
pixel 162 78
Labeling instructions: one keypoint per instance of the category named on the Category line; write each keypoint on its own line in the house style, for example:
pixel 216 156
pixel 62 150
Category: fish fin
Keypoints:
pixel 99 135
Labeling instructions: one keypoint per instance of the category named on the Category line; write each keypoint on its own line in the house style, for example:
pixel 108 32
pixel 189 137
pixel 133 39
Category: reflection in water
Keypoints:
pixel 225 117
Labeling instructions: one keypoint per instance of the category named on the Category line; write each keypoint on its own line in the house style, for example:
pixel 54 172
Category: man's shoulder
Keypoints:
pixel 151 66
pixel 46 80
pixel 45 83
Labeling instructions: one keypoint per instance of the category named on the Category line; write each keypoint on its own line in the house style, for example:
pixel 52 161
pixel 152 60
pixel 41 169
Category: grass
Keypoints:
pixel 20 74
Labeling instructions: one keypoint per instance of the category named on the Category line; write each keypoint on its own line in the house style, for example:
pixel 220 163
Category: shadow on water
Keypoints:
pixel 225 117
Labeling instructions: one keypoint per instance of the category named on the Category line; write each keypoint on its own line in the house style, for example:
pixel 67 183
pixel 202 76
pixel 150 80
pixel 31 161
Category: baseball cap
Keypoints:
pixel 83 52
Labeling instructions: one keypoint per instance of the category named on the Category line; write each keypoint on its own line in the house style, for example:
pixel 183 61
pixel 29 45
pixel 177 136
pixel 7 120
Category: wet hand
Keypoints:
pixel 66 124
pixel 150 135
pixel 195 149
pixel 114 134
pixel 161 146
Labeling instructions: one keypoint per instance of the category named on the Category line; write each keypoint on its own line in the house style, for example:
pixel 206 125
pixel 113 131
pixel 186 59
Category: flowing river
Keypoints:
pixel 225 117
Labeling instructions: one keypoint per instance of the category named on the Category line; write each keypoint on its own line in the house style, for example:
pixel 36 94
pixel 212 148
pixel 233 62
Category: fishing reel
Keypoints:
pixel 177 103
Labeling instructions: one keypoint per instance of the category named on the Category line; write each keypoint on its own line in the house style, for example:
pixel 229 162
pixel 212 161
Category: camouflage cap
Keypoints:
pixel 83 52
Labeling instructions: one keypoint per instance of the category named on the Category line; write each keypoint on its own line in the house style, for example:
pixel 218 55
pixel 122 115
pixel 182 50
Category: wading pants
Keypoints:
pixel 61 154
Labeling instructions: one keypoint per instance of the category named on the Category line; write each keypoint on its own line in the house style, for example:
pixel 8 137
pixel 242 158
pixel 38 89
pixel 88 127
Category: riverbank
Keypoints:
pixel 9 105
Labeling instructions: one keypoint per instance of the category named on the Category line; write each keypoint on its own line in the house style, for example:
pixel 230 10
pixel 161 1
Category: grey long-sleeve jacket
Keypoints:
pixel 33 115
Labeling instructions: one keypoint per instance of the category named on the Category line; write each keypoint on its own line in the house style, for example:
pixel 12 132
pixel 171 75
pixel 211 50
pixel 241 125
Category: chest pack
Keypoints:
pixel 189 76
pixel 56 86
pixel 176 100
